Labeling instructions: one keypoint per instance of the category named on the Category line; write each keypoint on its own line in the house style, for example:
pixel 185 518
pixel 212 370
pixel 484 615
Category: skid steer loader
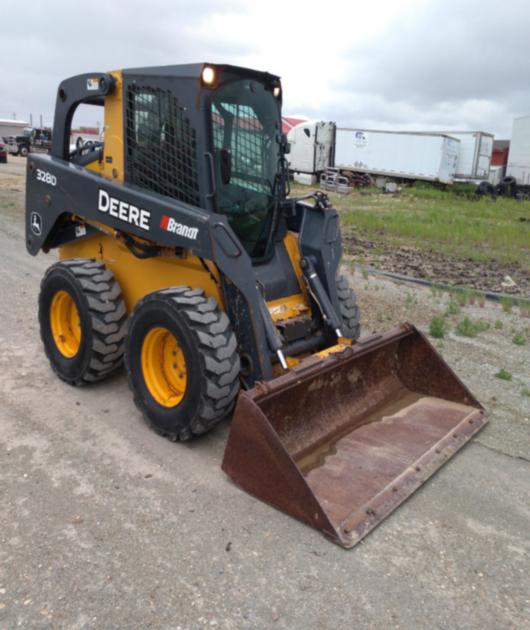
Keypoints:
pixel 182 255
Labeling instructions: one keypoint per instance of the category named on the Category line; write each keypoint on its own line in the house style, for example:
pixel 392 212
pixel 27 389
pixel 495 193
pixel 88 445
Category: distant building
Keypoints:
pixel 90 131
pixel 288 123
pixel 12 127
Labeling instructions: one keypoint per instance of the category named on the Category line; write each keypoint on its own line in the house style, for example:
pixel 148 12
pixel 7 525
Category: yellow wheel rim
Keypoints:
pixel 65 324
pixel 164 367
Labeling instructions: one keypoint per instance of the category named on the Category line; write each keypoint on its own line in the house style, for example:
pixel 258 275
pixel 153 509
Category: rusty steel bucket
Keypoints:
pixel 339 442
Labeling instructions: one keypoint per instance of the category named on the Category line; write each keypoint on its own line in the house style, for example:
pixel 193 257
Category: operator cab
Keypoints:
pixel 208 136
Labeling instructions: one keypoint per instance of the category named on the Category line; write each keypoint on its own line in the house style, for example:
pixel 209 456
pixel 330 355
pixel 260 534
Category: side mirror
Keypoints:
pixel 225 157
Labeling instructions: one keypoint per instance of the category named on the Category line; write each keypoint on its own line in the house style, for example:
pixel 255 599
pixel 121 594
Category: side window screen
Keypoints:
pixel 237 127
pixel 161 145
pixel 307 132
pixel 246 121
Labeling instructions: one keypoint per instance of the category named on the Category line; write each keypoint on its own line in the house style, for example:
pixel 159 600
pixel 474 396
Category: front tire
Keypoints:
pixel 83 320
pixel 182 362
pixel 349 309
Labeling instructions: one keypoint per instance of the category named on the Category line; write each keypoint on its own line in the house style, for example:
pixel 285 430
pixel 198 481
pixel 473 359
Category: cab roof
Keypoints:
pixel 193 71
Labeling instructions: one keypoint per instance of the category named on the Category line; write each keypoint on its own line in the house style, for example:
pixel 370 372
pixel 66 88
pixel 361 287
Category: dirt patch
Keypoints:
pixel 409 261
pixel 13 174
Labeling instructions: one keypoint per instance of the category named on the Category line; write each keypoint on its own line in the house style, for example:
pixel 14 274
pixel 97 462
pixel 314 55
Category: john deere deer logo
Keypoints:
pixel 36 223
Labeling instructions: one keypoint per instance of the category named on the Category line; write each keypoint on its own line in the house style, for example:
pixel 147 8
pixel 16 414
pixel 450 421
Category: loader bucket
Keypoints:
pixel 339 442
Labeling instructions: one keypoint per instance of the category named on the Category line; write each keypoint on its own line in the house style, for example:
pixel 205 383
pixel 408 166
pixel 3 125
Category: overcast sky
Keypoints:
pixel 387 64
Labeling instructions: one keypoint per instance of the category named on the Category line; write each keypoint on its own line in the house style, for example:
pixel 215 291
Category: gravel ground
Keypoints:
pixel 103 524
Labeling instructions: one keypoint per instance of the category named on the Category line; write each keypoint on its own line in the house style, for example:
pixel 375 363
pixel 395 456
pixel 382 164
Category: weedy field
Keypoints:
pixel 447 235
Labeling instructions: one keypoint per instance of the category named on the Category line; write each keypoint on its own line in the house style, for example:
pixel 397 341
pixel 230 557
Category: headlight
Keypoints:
pixel 208 75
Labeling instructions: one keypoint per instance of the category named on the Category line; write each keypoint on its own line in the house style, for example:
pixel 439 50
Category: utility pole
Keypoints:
pixel 41 121
pixel 31 120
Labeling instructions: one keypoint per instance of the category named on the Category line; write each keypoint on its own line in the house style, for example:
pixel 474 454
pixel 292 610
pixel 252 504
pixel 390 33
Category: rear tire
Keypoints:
pixel 349 310
pixel 182 362
pixel 83 320
pixel 23 151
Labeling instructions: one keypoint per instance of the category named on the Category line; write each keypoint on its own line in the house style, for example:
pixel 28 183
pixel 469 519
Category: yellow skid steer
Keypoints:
pixel 183 256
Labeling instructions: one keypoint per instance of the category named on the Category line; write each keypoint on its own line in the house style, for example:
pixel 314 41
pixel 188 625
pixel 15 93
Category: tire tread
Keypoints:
pixel 349 309
pixel 107 313
pixel 217 345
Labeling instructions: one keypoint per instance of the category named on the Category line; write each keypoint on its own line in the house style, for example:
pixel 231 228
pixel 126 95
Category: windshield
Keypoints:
pixel 246 124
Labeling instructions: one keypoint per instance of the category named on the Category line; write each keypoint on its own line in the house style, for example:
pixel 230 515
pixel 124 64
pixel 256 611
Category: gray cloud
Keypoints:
pixel 438 64
pixel 450 64
pixel 58 38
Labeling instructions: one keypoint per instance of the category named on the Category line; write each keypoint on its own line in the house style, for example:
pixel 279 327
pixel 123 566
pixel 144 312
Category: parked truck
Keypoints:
pixel 312 149
pixel 392 154
pixel 31 140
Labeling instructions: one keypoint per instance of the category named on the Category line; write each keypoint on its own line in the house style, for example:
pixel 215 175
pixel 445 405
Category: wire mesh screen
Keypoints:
pixel 237 128
pixel 161 145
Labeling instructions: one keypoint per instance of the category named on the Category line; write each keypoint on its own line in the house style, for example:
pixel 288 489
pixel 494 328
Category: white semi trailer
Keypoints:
pixel 519 155
pixel 397 154
pixel 392 154
pixel 474 158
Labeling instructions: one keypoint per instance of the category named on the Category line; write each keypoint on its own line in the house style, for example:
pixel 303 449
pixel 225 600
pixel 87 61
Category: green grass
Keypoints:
pixel 504 375
pixel 438 327
pixel 507 304
pixel 462 297
pixel 429 218
pixel 468 296
pixel 469 328
pixel 518 339
pixel 453 308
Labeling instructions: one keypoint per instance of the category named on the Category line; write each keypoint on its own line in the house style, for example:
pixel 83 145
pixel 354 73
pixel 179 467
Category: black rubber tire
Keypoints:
pixel 210 349
pixel 485 188
pixel 23 151
pixel 499 190
pixel 349 310
pixel 510 186
pixel 103 317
